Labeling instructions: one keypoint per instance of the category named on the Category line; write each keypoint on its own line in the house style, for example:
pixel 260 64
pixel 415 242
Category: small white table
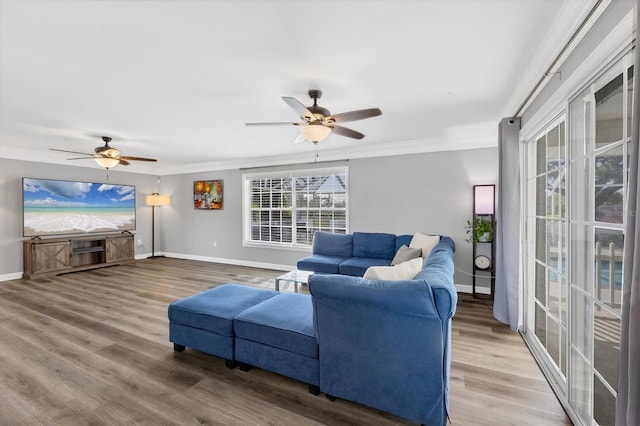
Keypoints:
pixel 296 277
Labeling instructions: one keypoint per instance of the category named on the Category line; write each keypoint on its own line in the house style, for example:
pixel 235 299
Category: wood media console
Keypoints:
pixel 53 256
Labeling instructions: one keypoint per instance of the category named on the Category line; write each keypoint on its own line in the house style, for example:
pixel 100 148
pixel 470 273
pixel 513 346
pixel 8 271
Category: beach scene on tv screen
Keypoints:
pixel 64 207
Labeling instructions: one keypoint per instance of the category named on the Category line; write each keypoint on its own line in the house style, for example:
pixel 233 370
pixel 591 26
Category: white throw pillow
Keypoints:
pixel 424 242
pixel 402 271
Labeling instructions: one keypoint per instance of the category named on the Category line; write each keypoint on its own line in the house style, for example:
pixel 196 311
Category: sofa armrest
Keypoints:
pixel 438 274
pixel 445 299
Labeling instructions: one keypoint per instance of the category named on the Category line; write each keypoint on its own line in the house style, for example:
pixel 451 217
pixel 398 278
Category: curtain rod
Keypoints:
pixel 549 72
pixel 293 164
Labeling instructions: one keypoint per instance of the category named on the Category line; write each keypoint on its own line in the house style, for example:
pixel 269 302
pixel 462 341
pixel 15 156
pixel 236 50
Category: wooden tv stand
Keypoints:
pixel 53 256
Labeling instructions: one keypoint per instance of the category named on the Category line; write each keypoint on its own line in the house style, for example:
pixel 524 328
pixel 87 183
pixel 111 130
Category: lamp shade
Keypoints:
pixel 316 132
pixel 158 200
pixel 484 199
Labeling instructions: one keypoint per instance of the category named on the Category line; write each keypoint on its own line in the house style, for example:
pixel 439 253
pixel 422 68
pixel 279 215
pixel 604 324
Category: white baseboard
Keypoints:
pixel 13 276
pixel 236 262
pixel 465 288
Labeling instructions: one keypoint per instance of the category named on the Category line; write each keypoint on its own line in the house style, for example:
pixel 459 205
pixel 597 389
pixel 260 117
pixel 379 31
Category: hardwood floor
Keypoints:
pixel 92 348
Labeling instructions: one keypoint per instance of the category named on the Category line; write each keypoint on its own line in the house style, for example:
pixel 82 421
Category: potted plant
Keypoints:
pixel 480 231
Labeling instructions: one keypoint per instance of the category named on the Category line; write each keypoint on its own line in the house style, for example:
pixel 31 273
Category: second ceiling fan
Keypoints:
pixel 106 156
pixel 318 122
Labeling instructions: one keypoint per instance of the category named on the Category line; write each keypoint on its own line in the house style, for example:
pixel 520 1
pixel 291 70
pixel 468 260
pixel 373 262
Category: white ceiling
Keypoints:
pixel 177 80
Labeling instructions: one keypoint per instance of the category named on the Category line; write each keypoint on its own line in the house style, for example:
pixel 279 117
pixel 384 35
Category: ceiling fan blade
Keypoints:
pixel 300 138
pixel 82 158
pixel 123 162
pixel 343 131
pixel 298 107
pixel 70 152
pixel 361 114
pixel 276 123
pixel 126 157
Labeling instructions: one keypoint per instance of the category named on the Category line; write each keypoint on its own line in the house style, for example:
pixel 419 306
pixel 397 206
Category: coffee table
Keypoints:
pixel 296 277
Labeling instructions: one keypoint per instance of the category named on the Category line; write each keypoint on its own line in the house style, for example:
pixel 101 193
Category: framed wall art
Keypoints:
pixel 207 194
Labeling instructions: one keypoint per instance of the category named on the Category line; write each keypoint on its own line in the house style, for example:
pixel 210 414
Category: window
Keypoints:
pixel 286 208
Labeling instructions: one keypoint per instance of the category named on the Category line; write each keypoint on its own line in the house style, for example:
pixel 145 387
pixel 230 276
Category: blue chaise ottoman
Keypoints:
pixel 204 321
pixel 278 335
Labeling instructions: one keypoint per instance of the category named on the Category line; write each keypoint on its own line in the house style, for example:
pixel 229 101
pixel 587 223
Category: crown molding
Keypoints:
pixel 478 135
pixel 449 143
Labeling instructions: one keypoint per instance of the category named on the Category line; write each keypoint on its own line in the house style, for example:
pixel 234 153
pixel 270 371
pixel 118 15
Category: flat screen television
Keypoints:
pixel 60 207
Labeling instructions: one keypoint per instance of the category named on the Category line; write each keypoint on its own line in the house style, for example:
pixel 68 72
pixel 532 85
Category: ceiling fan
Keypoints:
pixel 106 156
pixel 318 122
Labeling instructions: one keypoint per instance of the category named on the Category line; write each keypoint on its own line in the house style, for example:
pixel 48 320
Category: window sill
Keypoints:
pixel 292 247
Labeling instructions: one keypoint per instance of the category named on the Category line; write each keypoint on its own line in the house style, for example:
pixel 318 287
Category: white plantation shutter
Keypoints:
pixel 286 208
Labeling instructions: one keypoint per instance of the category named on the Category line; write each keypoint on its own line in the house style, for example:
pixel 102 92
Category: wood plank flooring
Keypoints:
pixel 92 348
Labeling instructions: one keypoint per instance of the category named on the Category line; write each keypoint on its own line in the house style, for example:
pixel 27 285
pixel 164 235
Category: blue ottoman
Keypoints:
pixel 204 321
pixel 278 335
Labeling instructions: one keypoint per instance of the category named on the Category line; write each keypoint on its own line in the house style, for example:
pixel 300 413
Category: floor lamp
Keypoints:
pixel 156 200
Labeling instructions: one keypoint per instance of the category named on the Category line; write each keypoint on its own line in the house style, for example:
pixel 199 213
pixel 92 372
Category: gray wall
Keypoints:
pixel 430 192
pixel 11 174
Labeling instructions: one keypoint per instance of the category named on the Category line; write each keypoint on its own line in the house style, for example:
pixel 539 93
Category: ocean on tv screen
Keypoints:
pixel 65 207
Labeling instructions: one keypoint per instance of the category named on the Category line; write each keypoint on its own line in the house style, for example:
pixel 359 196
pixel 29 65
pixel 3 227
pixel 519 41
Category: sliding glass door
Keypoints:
pixel 576 180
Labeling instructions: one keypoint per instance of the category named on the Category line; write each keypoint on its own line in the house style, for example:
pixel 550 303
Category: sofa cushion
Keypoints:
pixel 330 244
pixel 357 266
pixel 321 263
pixel 375 245
pixel 403 271
pixel 404 254
pixel 424 242
pixel 403 240
pixel 214 310
pixel 284 322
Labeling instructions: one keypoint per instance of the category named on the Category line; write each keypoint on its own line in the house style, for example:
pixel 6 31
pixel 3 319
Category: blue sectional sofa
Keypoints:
pixel 385 344
pixel 352 254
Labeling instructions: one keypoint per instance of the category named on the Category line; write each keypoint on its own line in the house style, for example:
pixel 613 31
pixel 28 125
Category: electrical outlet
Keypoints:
pixel 139 243
pixel 215 244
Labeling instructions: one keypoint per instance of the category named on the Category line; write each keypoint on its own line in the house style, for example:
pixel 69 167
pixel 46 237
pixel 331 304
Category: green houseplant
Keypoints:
pixel 480 230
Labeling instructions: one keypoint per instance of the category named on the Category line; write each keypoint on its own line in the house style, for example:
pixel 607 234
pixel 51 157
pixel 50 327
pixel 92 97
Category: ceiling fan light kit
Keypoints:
pixel 315 132
pixel 318 122
pixel 107 163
